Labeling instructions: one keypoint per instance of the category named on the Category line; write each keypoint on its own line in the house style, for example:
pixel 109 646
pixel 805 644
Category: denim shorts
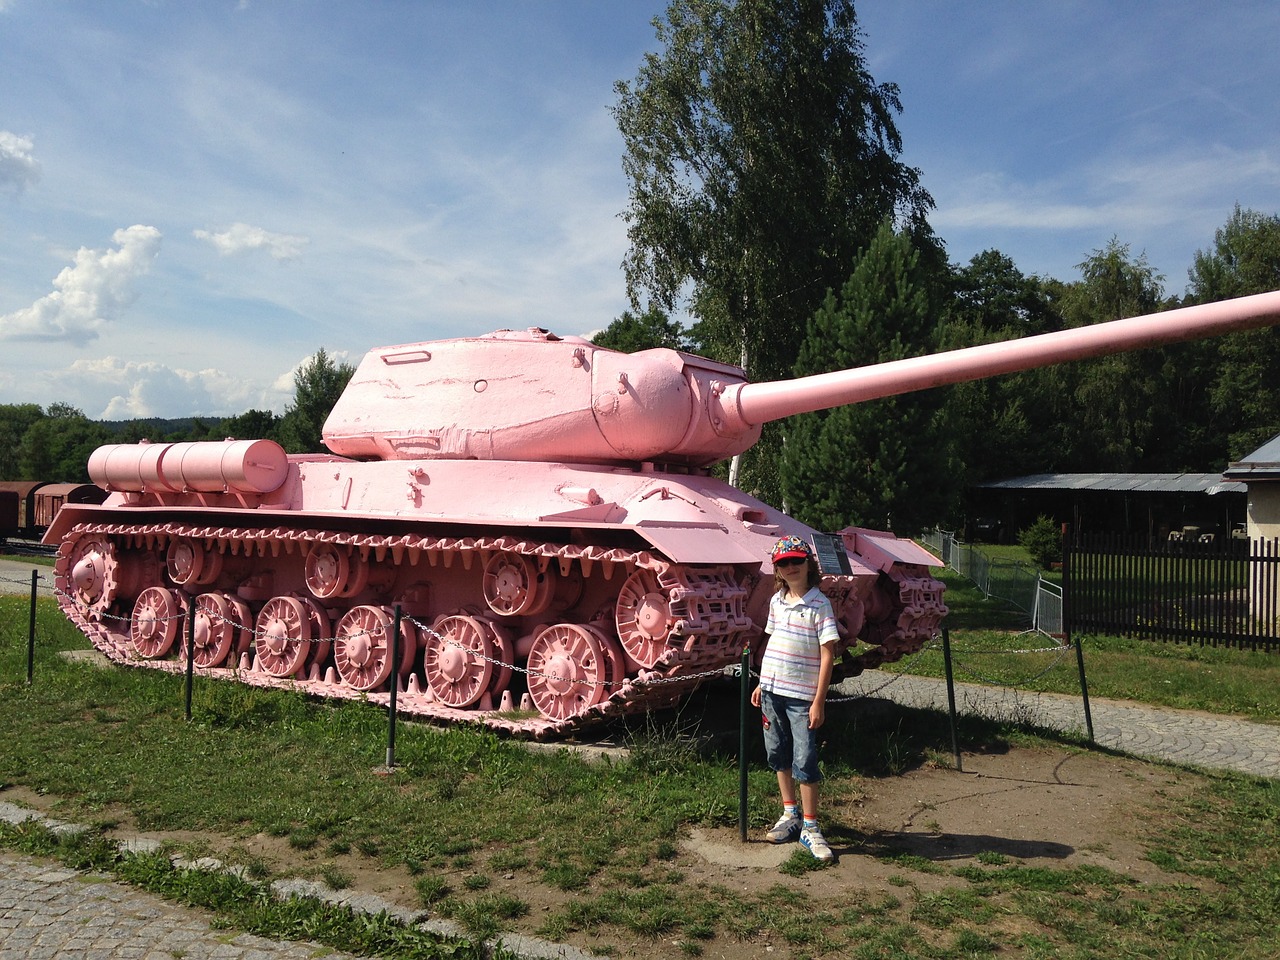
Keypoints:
pixel 788 741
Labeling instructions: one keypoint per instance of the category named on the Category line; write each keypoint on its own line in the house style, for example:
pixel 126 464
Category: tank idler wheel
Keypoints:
pixel 643 617
pixel 457 659
pixel 513 587
pixel 283 636
pixel 362 646
pixel 189 563
pixel 568 670
pixel 93 566
pixel 218 626
pixel 334 571
pixel 156 616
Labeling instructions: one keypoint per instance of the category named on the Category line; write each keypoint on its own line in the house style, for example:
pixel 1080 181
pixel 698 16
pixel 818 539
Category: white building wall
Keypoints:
pixel 1264 510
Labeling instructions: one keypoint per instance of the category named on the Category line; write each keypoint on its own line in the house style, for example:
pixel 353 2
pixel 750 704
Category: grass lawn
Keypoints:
pixel 1220 679
pixel 498 836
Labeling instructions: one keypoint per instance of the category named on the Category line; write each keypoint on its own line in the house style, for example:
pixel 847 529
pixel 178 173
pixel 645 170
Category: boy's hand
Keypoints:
pixel 817 714
pixel 755 697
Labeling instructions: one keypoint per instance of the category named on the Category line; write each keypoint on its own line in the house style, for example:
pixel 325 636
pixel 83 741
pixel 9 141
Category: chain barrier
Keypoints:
pixel 1061 650
pixel 24 583
pixel 251 629
pixel 728 670
pixel 893 678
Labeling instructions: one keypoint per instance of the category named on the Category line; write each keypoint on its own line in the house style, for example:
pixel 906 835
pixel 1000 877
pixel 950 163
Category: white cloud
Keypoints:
pixel 1126 192
pixel 89 294
pixel 18 166
pixel 241 236
pixel 110 388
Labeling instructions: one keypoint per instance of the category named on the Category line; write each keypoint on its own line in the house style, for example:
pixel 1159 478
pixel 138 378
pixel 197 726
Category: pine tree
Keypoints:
pixel 884 464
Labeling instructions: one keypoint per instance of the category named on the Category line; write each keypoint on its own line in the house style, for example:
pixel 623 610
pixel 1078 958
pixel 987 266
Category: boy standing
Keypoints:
pixel 794 675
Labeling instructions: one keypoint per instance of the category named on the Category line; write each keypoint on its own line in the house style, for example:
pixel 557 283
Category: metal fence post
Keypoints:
pixel 744 697
pixel 1084 690
pixel 191 650
pixel 31 629
pixel 951 696
pixel 395 683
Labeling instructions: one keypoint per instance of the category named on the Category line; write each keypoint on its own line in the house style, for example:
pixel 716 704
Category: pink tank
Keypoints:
pixel 537 507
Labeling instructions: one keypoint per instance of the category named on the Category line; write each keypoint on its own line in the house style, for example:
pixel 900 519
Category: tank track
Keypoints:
pixel 103 566
pixel 915 618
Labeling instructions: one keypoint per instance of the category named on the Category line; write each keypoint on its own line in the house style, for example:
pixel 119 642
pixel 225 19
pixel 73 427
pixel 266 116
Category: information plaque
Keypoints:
pixel 831 554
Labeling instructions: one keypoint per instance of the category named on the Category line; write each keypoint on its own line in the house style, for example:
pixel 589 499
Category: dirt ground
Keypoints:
pixel 1055 807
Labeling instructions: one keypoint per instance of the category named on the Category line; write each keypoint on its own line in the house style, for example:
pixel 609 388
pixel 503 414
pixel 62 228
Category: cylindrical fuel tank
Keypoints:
pixel 241 466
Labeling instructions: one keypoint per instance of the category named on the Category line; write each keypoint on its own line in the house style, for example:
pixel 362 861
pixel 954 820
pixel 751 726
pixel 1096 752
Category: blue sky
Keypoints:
pixel 195 196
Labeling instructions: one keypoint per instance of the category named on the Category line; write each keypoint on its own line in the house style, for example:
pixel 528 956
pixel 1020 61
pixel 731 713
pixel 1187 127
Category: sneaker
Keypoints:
pixel 815 843
pixel 785 830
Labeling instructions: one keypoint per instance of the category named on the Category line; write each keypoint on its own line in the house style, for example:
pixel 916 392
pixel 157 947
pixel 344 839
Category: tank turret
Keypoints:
pixel 530 395
pixel 537 509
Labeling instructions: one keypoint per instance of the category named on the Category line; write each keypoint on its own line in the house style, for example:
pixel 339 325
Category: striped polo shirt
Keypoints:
pixel 796 628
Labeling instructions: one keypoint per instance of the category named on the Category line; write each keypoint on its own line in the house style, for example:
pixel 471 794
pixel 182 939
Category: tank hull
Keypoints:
pixel 573 593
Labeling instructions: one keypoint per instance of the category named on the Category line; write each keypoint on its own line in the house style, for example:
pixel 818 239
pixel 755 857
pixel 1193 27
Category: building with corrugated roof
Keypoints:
pixel 1153 505
pixel 1259 471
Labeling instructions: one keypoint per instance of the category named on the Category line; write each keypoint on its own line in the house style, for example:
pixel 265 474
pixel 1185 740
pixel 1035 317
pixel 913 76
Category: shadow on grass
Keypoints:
pixel 869 738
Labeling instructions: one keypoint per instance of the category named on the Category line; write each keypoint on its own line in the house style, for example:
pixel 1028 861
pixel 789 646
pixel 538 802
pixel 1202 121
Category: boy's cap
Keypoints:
pixel 790 547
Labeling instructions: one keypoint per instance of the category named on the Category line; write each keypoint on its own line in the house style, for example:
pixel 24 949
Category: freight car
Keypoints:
pixel 9 501
pixel 28 507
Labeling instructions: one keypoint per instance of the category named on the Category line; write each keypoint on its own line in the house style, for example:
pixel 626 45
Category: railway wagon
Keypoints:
pixel 9 501
pixel 24 490
pixel 28 507
pixel 49 498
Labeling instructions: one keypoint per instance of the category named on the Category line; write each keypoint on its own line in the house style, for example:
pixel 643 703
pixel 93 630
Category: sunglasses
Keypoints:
pixel 790 561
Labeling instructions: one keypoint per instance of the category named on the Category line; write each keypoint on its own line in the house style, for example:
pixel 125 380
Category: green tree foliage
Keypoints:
pixel 1114 402
pixel 1245 395
pixel 1113 285
pixel 762 156
pixel 1043 541
pixel 653 328
pixel 15 420
pixel 317 385
pixel 885 463
pixel 1002 426
pixel 56 447
pixel 253 425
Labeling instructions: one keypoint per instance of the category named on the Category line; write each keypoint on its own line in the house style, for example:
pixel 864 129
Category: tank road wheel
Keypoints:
pixel 94 565
pixel 504 652
pixel 616 661
pixel 156 616
pixel 513 587
pixel 218 626
pixel 362 646
pixel 283 636
pixel 643 617
pixel 189 563
pixel 334 571
pixel 567 670
pixel 241 619
pixel 321 632
pixel 457 658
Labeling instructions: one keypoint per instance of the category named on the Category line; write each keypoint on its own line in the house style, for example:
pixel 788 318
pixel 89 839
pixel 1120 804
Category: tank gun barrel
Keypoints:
pixel 751 404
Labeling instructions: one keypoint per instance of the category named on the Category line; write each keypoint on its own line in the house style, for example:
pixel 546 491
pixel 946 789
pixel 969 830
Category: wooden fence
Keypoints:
pixel 1225 592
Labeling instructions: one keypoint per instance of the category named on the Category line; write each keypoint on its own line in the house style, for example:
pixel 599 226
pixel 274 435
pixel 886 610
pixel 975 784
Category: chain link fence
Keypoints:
pixel 1014 581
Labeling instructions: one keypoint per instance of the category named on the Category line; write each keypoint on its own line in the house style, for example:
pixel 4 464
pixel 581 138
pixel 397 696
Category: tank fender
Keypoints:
pixel 882 550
